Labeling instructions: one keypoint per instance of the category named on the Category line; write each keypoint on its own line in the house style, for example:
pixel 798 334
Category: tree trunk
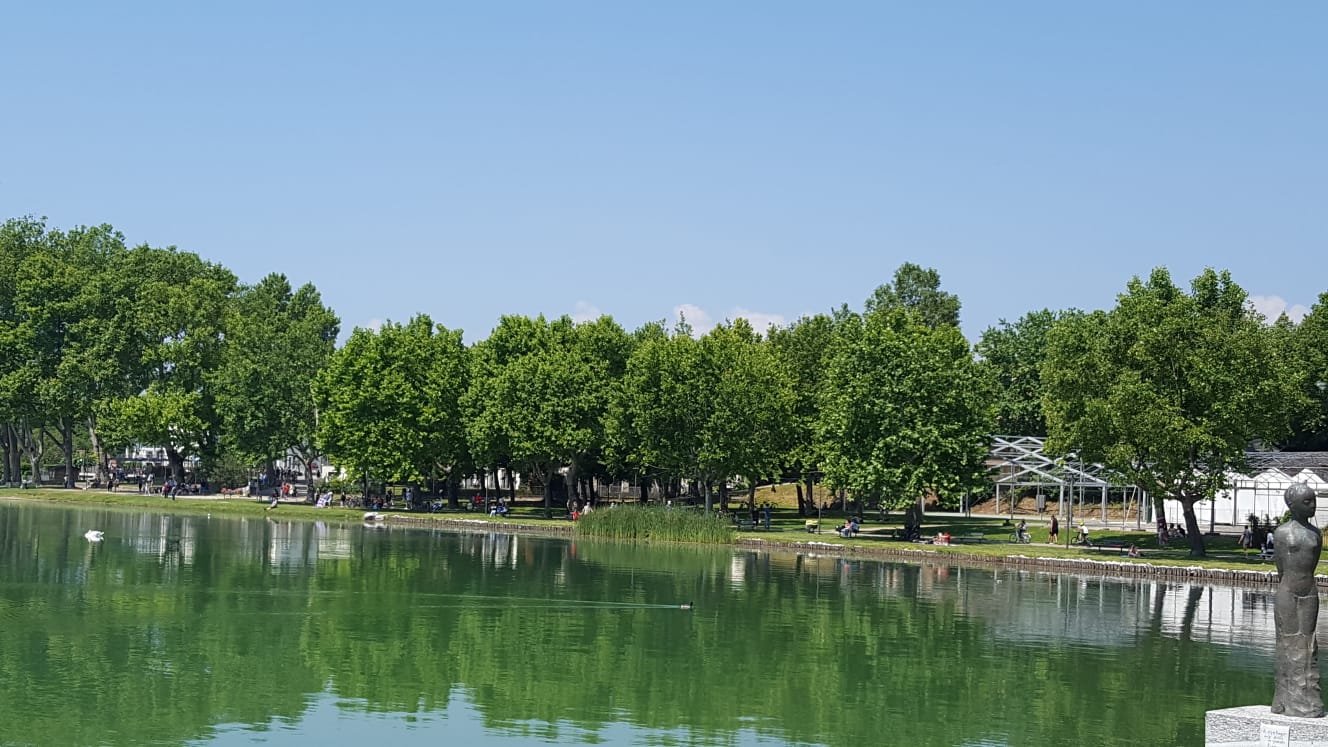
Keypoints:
pixel 709 500
pixel 547 477
pixel 643 485
pixel 67 445
pixel 1192 528
pixel 98 452
pixel 176 461
pixel 34 446
pixel 6 447
pixel 16 468
pixel 802 508
pixel 15 457
pixel 751 495
pixel 453 488
pixel 573 481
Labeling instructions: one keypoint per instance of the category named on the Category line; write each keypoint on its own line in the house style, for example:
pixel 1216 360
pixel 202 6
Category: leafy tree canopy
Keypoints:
pixel 905 411
pixel 917 290
pixel 1169 388
pixel 1013 353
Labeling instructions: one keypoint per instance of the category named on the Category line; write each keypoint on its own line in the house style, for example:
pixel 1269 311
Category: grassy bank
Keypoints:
pixel 636 523
pixel 988 537
pixel 193 505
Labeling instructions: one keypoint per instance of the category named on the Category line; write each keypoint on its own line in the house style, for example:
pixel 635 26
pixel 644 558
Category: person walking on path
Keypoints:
pixel 1054 531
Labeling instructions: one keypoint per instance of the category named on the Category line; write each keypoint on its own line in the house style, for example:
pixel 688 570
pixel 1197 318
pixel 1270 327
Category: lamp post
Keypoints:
pixel 1069 505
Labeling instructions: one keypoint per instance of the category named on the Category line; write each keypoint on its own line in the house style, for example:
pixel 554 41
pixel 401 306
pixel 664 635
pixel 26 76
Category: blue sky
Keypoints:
pixel 764 158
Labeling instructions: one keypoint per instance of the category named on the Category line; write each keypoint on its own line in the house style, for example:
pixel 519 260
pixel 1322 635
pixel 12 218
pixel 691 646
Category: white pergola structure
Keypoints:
pixel 1020 462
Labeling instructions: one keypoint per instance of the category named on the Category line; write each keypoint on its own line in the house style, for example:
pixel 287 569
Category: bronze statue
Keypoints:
pixel 1296 547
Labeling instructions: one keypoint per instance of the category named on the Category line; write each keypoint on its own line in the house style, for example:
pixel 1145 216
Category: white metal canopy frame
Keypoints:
pixel 1021 462
pixel 1290 461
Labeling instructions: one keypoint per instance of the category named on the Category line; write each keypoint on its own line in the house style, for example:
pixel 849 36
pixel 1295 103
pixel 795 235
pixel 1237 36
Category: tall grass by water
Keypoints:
pixel 655 524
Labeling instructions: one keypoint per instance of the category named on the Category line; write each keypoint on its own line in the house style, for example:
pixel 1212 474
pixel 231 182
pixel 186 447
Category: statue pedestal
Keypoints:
pixel 1242 727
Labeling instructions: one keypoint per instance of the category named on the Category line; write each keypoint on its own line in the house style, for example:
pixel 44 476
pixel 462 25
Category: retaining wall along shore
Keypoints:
pixel 916 555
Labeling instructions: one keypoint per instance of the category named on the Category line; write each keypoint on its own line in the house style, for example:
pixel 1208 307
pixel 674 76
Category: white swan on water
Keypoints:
pixel 94 535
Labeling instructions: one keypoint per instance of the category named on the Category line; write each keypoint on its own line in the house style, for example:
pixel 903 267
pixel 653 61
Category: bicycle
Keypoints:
pixel 1021 538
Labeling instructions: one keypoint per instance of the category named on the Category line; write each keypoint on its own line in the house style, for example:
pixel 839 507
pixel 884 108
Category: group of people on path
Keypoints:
pixel 1166 532
pixel 576 509
pixel 1053 532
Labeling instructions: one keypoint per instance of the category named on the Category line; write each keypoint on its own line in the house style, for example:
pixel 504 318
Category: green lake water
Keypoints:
pixel 210 631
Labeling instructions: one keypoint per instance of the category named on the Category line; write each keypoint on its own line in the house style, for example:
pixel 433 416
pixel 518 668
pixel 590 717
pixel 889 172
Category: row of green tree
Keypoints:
pixel 1169 389
pixel 103 346
pixel 888 403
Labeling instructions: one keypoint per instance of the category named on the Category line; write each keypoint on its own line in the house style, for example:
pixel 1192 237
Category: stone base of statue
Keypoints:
pixel 1256 726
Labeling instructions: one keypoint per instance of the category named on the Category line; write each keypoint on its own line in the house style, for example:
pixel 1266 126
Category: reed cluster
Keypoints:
pixel 655 524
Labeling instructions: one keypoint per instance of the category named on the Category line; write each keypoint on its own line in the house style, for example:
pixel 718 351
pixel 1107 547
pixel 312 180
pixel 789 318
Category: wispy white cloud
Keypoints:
pixel 374 324
pixel 1274 306
pixel 760 320
pixel 584 311
pixel 703 321
pixel 696 316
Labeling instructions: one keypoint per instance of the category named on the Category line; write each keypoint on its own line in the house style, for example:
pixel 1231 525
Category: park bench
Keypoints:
pixel 976 538
pixel 1116 546
pixel 744 523
pixel 813 526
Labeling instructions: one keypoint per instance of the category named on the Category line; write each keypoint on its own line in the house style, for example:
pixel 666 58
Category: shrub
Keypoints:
pixel 654 524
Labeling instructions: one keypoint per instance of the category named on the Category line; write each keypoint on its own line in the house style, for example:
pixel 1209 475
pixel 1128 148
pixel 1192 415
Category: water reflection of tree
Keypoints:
pixel 818 650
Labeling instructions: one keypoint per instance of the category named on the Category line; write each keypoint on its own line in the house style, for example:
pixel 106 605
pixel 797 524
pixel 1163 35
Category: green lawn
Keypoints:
pixel 236 506
pixel 786 526
pixel 1224 551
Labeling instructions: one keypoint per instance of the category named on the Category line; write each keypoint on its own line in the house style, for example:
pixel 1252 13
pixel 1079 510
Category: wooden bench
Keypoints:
pixel 1114 545
pixel 743 524
pixel 976 538
pixel 813 526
